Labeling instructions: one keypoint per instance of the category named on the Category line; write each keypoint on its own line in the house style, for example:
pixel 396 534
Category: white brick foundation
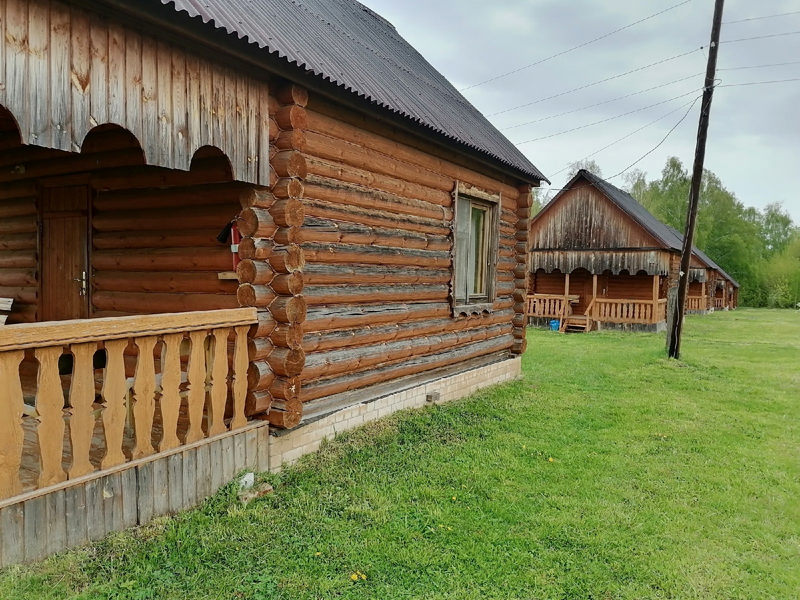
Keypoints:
pixel 286 447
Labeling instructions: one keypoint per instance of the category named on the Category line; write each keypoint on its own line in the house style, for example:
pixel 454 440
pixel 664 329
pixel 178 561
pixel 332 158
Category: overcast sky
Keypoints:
pixel 754 140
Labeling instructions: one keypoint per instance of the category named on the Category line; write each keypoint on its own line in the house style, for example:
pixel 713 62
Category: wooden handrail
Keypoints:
pixel 63 333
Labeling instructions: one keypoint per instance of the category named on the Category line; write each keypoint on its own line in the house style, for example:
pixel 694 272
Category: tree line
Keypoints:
pixel 760 248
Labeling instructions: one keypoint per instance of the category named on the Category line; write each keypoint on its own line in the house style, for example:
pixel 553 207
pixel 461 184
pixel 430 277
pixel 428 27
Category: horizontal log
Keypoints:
pixel 20 295
pixel 19 189
pixel 256 223
pixel 169 238
pixel 288 335
pixel 289 163
pixel 520 320
pixel 199 217
pixel 343 317
pixel 518 333
pixel 292 94
pixel 18 259
pixel 287 259
pixel 18 277
pixel 519 346
pixel 288 187
pixel 255 249
pixel 168 259
pixel 331 190
pixel 260 296
pixel 258 349
pixel 18 207
pixel 376 181
pixel 257 403
pixel 342 212
pixel 259 376
pixel 256 272
pixel 265 326
pixel 361 336
pixel 294 139
pixel 158 198
pixel 256 198
pixel 288 212
pixel 354 294
pixel 356 135
pixel 380 255
pixel 291 117
pixel 288 284
pixel 14 225
pixel 285 388
pixel 151 303
pixel 284 419
pixel 287 362
pixel 328 387
pixel 520 271
pixel 289 309
pixel 73 163
pixel 330 231
pixel 167 281
pixel 274 130
pixel 139 177
pixel 325 274
pixel 285 236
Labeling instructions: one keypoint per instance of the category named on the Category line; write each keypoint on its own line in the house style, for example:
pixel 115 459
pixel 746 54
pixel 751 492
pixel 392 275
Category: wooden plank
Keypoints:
pixel 239 452
pixel 56 522
pixel 133 83
pixel 60 93
pixel 170 391
pixel 164 151
pixel 35 529
pixel 75 515
pixel 189 479
pixel 145 494
pixel 112 502
pixel 240 366
pixel 81 399
pixel 216 466
pixel 12 535
pixel 150 121
pixel 11 432
pixel 193 103
pixel 228 458
pixel 114 401
pixel 251 449
pixel 203 472
pixel 95 519
pixel 180 139
pixel 99 71
pixel 144 390
pixel 31 335
pixel 263 450
pixel 117 79
pixel 129 489
pixel 160 487
pixel 196 396
pixel 50 406
pixel 17 20
pixel 175 469
pixel 80 51
pixel 219 383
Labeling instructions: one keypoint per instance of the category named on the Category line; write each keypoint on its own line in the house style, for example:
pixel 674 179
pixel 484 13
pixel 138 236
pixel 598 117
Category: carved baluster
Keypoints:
pixel 240 365
pixel 170 391
pixel 11 432
pixel 50 406
pixel 114 395
pixel 81 398
pixel 197 386
pixel 144 389
pixel 219 383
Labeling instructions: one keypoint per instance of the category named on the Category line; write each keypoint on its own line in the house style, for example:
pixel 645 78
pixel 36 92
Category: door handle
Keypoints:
pixel 84 283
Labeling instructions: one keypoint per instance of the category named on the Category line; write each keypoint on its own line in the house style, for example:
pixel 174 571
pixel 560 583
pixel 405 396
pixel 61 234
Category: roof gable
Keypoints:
pixel 351 46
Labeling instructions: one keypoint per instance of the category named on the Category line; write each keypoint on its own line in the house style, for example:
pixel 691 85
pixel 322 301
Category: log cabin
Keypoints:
pixel 600 260
pixel 220 221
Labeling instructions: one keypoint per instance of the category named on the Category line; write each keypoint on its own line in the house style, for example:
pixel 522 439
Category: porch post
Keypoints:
pixel 655 298
pixel 703 293
pixel 594 294
pixel 566 295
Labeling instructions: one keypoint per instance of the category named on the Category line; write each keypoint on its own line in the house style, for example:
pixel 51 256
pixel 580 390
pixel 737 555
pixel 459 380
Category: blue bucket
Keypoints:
pixel 554 325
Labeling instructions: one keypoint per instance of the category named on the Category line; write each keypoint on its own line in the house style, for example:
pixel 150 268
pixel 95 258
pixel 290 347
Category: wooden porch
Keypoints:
pixel 81 398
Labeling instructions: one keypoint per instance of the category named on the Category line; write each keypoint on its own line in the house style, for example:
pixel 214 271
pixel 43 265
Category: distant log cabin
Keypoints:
pixel 222 219
pixel 600 260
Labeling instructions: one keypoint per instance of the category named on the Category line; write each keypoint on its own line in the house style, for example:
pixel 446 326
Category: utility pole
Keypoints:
pixel 697 175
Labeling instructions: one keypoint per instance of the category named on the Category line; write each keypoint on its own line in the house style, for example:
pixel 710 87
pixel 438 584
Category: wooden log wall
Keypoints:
pixel 271 272
pixel 64 70
pixel 547 283
pixel 154 230
pixel 377 239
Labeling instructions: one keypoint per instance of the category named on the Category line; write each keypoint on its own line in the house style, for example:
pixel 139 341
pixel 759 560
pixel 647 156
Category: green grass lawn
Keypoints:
pixel 607 472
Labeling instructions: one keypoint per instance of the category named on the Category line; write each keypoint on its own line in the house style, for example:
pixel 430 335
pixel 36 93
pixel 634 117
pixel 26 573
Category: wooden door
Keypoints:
pixel 65 253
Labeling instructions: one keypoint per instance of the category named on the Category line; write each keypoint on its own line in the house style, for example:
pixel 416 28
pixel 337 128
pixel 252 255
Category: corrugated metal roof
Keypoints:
pixel 344 42
pixel 669 236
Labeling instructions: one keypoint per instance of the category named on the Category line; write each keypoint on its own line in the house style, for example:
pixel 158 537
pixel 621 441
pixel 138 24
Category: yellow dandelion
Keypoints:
pixel 363 576
pixel 318 554
pixel 550 459
pixel 354 577
pixel 454 497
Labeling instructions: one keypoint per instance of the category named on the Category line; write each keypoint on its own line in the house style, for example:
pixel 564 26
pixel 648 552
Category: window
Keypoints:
pixel 474 255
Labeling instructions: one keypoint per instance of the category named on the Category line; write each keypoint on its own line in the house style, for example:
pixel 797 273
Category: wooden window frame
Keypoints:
pixel 475 304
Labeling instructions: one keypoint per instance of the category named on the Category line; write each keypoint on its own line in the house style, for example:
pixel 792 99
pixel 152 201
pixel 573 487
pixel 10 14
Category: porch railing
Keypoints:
pixel 615 310
pixel 719 303
pixel 83 396
pixel 696 303
pixel 548 305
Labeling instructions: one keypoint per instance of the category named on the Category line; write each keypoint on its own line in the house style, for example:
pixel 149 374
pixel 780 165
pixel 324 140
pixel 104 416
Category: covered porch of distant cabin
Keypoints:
pixel 606 299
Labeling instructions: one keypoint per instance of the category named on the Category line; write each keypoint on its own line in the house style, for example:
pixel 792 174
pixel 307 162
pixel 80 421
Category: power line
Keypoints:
pixel 794 62
pixel 759 82
pixel 625 137
pixel 759 37
pixel 545 137
pixel 602 37
pixel 588 85
pixel 569 112
pixel 786 14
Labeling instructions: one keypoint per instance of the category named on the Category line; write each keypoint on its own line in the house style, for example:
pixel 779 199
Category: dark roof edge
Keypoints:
pixel 218 40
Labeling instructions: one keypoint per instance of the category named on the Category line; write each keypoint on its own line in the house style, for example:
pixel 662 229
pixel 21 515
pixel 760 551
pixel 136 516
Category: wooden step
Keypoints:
pixel 576 324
